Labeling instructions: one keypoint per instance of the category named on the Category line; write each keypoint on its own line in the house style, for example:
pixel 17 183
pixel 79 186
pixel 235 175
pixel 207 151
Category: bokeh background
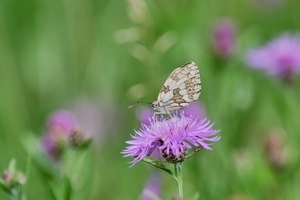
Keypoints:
pixel 97 57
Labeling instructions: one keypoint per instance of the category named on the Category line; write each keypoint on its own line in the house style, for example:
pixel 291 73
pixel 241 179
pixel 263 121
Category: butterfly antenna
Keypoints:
pixel 144 102
pixel 139 102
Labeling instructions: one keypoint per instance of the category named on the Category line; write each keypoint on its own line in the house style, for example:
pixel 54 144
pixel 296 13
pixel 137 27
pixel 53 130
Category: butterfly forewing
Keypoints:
pixel 182 87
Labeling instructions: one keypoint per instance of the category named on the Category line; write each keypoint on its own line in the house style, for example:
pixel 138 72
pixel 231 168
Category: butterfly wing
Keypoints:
pixel 182 87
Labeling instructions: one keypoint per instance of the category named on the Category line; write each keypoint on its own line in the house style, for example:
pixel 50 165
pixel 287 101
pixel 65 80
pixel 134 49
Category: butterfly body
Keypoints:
pixel 181 88
pixel 159 108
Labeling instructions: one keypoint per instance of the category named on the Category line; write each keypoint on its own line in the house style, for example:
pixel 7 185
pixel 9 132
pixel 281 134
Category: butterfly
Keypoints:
pixel 181 88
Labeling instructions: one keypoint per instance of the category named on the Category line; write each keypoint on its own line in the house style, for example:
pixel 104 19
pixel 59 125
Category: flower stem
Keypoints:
pixel 16 193
pixel 178 177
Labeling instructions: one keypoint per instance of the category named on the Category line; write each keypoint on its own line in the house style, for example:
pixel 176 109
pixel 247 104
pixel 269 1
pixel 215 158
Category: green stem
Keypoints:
pixel 16 193
pixel 178 177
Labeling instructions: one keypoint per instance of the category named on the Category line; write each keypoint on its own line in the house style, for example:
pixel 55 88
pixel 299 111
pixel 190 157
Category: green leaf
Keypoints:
pixel 53 194
pixel 4 186
pixel 158 165
pixel 68 189
pixel 12 166
pixel 61 189
pixel 33 147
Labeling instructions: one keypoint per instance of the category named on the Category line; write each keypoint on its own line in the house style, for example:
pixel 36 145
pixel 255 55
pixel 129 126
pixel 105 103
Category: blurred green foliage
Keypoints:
pixel 54 52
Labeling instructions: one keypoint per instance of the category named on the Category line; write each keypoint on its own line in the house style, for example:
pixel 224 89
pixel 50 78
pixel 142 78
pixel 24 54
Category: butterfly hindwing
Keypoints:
pixel 182 87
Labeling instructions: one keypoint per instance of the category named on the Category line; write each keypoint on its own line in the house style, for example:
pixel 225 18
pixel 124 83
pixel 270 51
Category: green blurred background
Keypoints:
pixel 53 53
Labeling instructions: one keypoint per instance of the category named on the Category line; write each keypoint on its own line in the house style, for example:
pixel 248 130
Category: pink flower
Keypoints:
pixel 224 38
pixel 60 127
pixel 280 57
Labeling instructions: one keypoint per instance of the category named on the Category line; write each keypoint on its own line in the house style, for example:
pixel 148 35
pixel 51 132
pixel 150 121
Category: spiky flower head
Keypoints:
pixel 59 128
pixel 170 139
pixel 62 130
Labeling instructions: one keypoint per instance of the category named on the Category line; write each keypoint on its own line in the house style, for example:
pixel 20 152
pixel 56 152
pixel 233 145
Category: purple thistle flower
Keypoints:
pixel 62 122
pixel 224 38
pixel 152 188
pixel 170 138
pixel 61 126
pixel 280 57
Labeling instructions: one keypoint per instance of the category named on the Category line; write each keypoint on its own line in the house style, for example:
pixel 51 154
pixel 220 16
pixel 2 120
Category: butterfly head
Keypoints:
pixel 154 105
pixel 158 107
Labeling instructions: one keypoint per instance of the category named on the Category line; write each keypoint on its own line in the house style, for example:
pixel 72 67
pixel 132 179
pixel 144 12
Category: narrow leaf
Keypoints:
pixel 158 165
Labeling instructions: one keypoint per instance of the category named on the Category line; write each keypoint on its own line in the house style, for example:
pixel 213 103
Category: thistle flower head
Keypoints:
pixel 59 128
pixel 170 138
pixel 224 38
pixel 62 130
pixel 280 57
pixel 61 123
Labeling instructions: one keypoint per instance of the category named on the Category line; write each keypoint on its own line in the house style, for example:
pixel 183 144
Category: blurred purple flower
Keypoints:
pixel 280 57
pixel 62 123
pixel 152 188
pixel 60 128
pixel 88 116
pixel 96 119
pixel 224 38
pixel 50 146
pixel 170 138
pixel 195 110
